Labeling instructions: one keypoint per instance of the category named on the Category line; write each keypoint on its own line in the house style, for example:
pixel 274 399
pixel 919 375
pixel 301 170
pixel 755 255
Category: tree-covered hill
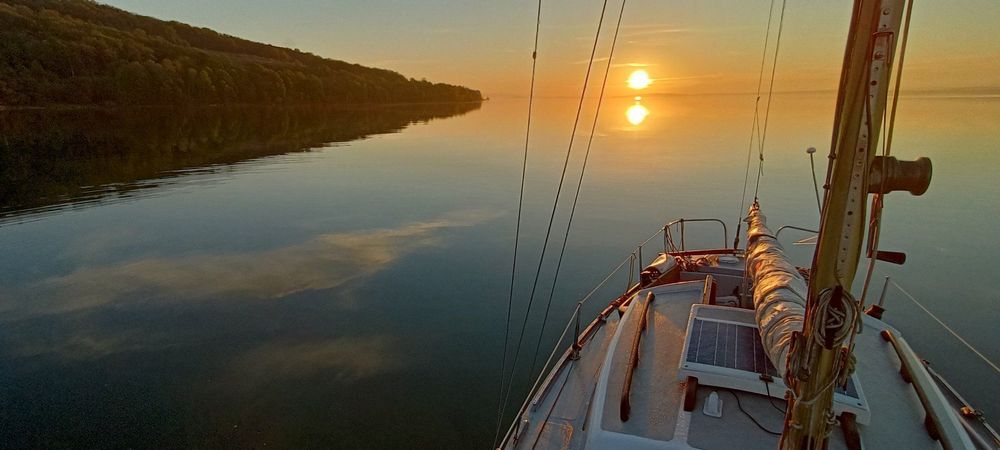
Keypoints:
pixel 80 52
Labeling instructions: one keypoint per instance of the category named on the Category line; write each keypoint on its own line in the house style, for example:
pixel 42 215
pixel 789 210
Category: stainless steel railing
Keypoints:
pixel 668 233
pixel 791 227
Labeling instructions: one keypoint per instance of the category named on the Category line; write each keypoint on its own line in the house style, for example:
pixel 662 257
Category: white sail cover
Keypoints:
pixel 779 293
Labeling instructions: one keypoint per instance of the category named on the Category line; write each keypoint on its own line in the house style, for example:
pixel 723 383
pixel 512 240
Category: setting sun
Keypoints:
pixel 382 148
pixel 639 79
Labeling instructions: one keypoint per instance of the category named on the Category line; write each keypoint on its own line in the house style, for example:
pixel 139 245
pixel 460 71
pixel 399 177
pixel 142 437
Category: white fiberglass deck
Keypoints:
pixel 580 406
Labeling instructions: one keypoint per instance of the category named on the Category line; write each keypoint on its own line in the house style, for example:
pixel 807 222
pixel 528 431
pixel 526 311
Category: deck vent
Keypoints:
pixel 723 349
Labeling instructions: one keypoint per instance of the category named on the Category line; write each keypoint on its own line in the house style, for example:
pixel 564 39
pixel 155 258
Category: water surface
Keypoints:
pixel 337 278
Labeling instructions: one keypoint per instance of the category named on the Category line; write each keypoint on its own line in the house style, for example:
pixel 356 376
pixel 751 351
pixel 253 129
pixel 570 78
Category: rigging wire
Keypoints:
pixel 552 216
pixel 579 183
pixel 517 228
pixel 954 333
pixel 753 127
pixel 770 95
pixel 569 323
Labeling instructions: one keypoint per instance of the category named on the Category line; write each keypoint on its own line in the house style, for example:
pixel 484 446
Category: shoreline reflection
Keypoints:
pixel 51 159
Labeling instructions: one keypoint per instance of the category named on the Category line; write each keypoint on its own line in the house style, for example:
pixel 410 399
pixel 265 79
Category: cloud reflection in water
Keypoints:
pixel 324 262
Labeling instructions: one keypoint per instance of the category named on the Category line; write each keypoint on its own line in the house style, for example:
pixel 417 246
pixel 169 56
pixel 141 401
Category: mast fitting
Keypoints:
pixel 897 175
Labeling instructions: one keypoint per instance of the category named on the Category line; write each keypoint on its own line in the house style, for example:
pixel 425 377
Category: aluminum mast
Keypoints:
pixel 819 360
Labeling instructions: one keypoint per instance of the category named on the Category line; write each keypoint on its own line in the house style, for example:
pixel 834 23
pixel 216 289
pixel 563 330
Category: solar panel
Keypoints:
pixel 733 346
pixel 723 349
pixel 728 345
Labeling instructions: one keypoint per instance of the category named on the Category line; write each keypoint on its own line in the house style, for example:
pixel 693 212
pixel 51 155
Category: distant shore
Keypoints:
pixel 331 106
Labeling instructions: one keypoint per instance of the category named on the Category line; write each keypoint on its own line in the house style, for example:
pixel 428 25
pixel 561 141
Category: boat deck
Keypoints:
pixel 580 405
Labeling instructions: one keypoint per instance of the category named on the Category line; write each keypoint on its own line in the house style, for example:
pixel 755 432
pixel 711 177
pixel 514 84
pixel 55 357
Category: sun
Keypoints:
pixel 639 79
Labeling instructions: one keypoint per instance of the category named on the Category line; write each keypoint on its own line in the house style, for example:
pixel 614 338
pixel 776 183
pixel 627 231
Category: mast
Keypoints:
pixel 819 359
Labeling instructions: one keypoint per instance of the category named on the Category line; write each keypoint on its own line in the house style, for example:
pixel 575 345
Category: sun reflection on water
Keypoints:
pixel 636 113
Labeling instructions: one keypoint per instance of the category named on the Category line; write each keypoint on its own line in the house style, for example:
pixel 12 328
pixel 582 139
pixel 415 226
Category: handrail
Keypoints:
pixel 792 227
pixel 941 425
pixel 625 406
pixel 710 251
pixel 668 235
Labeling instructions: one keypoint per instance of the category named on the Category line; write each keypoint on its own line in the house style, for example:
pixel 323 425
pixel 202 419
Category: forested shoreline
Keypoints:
pixel 79 52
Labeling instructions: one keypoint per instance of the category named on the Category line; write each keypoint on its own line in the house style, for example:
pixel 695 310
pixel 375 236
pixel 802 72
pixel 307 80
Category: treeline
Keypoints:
pixel 79 52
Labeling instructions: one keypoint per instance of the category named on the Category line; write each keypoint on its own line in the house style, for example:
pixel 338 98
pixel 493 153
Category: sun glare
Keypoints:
pixel 639 79
pixel 636 113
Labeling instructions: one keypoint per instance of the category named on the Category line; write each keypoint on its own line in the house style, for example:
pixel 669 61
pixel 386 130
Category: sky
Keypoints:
pixel 687 46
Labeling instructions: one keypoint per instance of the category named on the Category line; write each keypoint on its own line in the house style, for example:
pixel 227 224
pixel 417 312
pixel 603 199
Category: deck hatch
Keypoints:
pixel 723 349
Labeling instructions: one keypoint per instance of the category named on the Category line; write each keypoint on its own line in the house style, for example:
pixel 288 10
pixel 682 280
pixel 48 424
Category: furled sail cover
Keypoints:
pixel 780 292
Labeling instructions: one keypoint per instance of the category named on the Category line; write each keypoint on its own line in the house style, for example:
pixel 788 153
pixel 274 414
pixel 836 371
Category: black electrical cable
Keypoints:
pixel 752 419
pixel 771 399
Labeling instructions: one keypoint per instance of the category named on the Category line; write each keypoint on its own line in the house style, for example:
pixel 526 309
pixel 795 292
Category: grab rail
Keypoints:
pixel 940 423
pixel 791 227
pixel 625 407
pixel 668 235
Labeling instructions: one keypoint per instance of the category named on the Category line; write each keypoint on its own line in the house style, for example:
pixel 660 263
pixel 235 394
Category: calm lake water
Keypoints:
pixel 298 278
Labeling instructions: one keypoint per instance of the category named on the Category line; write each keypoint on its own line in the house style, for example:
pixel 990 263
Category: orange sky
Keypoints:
pixel 686 46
